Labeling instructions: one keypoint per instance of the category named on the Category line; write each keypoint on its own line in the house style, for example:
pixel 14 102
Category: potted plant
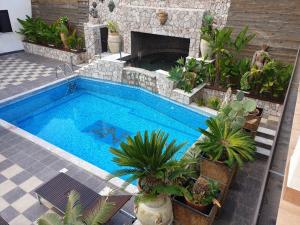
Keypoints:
pixel 207 35
pixel 188 73
pixel 114 38
pixel 223 149
pixel 150 159
pixel 62 27
pixel 199 204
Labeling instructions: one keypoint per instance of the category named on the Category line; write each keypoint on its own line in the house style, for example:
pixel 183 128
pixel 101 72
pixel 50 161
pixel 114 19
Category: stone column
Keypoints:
pixel 92 35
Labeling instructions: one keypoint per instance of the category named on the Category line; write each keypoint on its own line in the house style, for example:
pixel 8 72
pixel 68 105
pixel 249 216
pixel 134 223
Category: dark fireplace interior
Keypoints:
pixel 153 52
pixel 5 25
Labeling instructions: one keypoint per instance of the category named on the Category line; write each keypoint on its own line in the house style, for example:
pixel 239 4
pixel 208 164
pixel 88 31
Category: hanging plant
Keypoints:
pixel 111 5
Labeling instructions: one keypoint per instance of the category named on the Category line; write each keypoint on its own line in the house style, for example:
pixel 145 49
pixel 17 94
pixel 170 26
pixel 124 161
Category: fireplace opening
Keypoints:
pixel 153 52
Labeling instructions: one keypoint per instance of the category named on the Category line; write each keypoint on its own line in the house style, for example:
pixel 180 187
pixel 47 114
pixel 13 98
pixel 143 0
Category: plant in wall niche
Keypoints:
pixel 202 193
pixel 162 17
pixel 74 215
pixel 150 159
pixel 114 38
pixel 225 143
pixel 214 103
pixel 111 5
pixel 188 74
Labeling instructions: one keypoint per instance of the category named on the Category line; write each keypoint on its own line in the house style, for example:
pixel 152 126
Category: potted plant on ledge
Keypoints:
pixel 150 159
pixel 207 35
pixel 222 150
pixel 114 38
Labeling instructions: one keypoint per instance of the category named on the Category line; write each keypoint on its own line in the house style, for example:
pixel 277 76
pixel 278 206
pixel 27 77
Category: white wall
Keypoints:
pixel 16 9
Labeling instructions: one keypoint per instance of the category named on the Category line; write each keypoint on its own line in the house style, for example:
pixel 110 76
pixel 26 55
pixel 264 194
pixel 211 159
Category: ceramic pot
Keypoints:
pixel 201 208
pixel 114 42
pixel 206 50
pixel 156 212
pixel 162 17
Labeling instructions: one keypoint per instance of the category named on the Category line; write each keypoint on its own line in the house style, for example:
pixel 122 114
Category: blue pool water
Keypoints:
pixel 95 115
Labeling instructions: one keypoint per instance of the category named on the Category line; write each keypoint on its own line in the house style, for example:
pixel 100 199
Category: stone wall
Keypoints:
pixel 184 18
pixel 54 53
pixel 270 108
pixel 139 77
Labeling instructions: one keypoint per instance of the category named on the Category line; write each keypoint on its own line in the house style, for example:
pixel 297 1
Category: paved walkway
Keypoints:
pixel 24 165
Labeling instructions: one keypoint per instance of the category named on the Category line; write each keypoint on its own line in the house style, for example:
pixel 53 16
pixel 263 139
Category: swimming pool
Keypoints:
pixel 85 117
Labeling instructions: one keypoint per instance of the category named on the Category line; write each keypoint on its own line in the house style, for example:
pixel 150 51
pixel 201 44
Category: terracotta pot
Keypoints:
pixel 206 50
pixel 253 120
pixel 201 208
pixel 114 42
pixel 162 17
pixel 64 40
pixel 155 212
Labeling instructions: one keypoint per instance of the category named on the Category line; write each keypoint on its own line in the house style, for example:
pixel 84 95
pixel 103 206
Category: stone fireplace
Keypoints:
pixel 146 44
pixel 141 16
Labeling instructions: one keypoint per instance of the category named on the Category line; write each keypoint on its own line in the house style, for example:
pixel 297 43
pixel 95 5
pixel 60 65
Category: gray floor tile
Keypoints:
pixel 9 214
pixel 35 212
pixel 5 164
pixel 14 195
pixel 21 177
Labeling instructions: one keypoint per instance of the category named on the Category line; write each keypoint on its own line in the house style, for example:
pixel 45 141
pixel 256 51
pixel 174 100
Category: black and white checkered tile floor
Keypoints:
pixel 15 71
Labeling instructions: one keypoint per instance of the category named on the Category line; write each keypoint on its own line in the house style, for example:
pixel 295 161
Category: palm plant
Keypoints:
pixel 226 143
pixel 151 160
pixel 74 216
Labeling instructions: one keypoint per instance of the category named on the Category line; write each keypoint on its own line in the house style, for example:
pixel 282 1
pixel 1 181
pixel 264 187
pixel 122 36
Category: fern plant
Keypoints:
pixel 225 143
pixel 73 215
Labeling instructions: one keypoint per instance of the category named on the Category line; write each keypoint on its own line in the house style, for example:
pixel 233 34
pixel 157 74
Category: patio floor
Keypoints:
pixel 25 165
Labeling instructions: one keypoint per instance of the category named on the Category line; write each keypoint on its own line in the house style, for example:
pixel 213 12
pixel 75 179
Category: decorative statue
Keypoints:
pixel 260 57
pixel 93 17
pixel 227 97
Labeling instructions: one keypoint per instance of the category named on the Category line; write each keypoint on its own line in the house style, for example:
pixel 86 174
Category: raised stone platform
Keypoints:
pixel 54 53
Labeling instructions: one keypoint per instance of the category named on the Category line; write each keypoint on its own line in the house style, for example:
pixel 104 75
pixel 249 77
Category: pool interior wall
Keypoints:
pixel 85 117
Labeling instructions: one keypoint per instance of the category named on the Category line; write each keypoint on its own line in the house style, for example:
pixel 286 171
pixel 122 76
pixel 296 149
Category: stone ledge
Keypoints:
pixel 54 53
pixel 185 97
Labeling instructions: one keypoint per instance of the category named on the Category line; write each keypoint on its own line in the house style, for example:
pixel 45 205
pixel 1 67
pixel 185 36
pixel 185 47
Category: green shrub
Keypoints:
pixel 271 81
pixel 112 26
pixel 74 41
pixel 225 143
pixel 200 102
pixel 214 103
pixel 188 74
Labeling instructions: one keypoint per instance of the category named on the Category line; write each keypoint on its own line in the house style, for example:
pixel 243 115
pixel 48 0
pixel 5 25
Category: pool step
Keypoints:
pixel 264 140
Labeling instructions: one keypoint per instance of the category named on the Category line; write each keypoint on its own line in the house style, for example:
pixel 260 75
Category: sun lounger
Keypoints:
pixel 56 191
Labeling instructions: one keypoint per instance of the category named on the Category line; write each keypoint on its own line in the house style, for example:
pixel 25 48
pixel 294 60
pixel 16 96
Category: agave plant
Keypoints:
pixel 74 216
pixel 225 143
pixel 151 160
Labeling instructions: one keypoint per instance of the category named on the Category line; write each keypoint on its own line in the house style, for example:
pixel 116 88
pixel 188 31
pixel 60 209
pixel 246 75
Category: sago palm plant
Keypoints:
pixel 225 143
pixel 151 160
pixel 73 215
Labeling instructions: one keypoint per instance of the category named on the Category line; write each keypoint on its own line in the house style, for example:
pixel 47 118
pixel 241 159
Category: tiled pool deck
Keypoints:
pixel 25 165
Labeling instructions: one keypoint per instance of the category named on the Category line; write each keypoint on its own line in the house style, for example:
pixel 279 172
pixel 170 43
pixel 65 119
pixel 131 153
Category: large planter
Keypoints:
pixel 184 214
pixel 155 212
pixel 220 172
pixel 114 42
pixel 206 50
